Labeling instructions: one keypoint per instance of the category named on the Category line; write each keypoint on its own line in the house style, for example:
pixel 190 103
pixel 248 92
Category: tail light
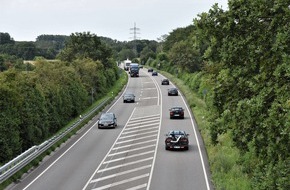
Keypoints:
pixel 168 140
pixel 184 140
pixel 171 113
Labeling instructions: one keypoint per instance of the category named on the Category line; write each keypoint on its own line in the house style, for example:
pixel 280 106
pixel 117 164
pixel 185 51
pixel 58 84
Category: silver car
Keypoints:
pixel 128 97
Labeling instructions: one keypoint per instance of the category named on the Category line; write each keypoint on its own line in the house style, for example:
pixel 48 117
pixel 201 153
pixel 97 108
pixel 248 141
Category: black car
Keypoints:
pixel 176 112
pixel 164 82
pixel 107 120
pixel 176 139
pixel 172 92
pixel 154 73
pixel 128 97
pixel 150 70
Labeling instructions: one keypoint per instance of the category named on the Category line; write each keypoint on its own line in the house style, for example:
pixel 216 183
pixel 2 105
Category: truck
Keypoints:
pixel 134 70
pixel 127 64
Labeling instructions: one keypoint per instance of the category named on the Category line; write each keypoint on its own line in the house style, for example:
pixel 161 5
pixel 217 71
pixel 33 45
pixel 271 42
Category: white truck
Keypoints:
pixel 127 64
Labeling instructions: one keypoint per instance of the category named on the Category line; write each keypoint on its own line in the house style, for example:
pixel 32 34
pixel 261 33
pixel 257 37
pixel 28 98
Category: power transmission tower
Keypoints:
pixel 135 33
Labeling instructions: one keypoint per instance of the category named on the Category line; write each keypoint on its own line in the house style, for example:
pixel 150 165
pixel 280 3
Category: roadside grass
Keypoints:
pixel 112 93
pixel 226 173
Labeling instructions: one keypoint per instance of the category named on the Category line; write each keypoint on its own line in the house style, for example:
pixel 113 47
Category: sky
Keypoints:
pixel 24 20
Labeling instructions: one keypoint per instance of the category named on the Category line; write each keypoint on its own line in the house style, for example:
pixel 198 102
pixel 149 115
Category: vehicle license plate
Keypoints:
pixel 106 125
pixel 176 146
pixel 176 115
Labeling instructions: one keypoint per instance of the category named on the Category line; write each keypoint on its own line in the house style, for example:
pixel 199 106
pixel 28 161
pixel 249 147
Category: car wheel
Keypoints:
pixel 186 148
pixel 166 147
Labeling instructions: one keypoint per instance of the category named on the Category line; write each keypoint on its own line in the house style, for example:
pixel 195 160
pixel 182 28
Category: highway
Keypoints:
pixel 131 156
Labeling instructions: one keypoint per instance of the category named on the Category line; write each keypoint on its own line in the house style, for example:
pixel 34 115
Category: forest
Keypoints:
pixel 236 60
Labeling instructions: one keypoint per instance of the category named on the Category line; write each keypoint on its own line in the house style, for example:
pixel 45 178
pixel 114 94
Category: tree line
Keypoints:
pixel 239 60
pixel 38 100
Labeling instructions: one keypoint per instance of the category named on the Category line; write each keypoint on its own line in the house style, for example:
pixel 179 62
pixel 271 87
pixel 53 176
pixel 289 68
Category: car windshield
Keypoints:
pixel 177 133
pixel 128 95
pixel 107 117
pixel 176 109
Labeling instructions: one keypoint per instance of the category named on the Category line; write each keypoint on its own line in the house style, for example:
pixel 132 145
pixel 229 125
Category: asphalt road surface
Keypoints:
pixel 131 156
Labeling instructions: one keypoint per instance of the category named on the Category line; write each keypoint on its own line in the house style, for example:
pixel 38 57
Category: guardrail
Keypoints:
pixel 26 157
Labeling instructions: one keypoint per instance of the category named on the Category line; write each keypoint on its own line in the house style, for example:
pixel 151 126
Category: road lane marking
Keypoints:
pixel 129 136
pixel 135 144
pixel 140 127
pixel 122 182
pixel 126 164
pixel 126 141
pixel 138 187
pixel 141 123
pixel 94 173
pixel 148 98
pixel 140 130
pixel 126 157
pixel 148 116
pixel 131 150
pixel 120 173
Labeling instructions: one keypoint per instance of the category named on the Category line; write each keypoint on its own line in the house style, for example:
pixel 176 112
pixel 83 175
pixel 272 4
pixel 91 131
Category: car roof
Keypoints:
pixel 177 132
pixel 177 107
pixel 108 114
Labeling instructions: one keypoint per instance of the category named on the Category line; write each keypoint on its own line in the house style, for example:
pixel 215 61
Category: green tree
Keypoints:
pixel 85 45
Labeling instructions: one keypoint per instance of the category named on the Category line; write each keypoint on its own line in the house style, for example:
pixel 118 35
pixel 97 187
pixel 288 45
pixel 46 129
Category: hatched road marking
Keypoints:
pixel 128 163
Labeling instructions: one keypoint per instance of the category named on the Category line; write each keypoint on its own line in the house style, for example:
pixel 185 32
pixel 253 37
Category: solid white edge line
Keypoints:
pixel 58 158
pixel 75 142
pixel 198 145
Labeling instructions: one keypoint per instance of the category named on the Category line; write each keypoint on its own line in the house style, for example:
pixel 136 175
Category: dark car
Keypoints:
pixel 107 120
pixel 164 82
pixel 172 92
pixel 154 73
pixel 128 97
pixel 176 139
pixel 150 70
pixel 176 112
